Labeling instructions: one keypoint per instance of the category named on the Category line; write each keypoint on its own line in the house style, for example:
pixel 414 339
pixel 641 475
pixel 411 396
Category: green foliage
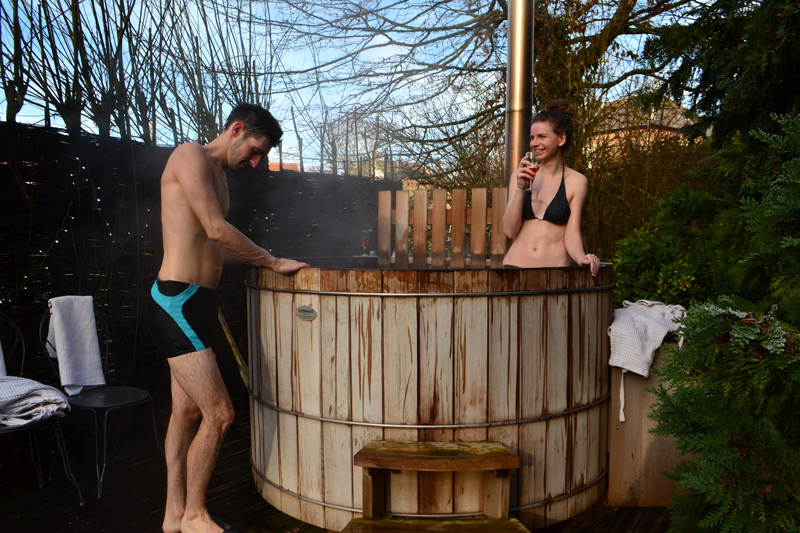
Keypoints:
pixel 740 237
pixel 736 61
pixel 774 221
pixel 668 259
pixel 731 403
pixel 631 171
pixel 653 266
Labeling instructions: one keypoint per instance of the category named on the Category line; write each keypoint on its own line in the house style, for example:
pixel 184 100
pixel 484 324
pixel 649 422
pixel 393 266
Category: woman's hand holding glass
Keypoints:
pixel 526 172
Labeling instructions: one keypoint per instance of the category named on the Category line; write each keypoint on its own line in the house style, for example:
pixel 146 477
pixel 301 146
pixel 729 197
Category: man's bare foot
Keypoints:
pixel 202 524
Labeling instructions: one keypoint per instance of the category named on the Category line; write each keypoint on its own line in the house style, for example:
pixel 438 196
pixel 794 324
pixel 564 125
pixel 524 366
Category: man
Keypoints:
pixel 182 310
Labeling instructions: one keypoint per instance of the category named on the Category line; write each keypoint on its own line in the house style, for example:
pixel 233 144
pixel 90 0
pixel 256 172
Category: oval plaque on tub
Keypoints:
pixel 306 312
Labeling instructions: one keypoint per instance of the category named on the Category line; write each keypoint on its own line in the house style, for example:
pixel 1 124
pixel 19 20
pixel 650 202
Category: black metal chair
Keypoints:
pixel 13 342
pixel 100 401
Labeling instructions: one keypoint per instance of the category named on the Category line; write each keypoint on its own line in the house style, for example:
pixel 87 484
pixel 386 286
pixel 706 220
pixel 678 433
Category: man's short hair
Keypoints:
pixel 258 122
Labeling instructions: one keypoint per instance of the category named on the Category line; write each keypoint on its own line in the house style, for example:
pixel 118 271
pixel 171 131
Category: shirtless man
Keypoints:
pixel 182 309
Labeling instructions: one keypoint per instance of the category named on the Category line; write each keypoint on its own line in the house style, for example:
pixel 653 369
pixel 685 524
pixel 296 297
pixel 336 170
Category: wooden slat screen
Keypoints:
pixel 449 219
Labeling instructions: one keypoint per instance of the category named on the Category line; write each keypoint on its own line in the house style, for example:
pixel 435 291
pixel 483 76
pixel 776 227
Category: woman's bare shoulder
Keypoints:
pixel 573 178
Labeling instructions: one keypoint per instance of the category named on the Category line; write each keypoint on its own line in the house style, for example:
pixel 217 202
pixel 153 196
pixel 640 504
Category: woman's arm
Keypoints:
pixel 572 234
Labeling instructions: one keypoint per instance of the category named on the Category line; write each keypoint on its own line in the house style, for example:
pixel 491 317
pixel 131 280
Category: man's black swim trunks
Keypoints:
pixel 182 317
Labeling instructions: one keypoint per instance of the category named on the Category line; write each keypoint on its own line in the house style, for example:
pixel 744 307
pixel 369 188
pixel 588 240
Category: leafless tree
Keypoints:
pixel 13 61
pixel 434 70
pixel 430 72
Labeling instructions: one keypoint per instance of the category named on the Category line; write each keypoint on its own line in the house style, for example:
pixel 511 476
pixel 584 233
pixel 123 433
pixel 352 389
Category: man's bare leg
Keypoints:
pixel 181 430
pixel 197 376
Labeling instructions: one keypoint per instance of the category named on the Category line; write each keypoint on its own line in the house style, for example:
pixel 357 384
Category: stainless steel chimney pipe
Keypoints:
pixel 519 83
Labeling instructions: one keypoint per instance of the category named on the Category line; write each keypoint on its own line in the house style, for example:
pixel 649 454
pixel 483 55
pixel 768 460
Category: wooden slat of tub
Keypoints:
pixel 436 387
pixel 607 313
pixel 401 229
pixel 605 316
pixel 532 473
pixel 268 457
pixel 532 344
pixel 287 436
pixel 310 484
pixel 557 394
pixel 334 319
pixel 366 360
pixel 499 242
pixel 420 249
pixel 581 378
pixel 578 451
pixel 580 332
pixel 478 229
pixel 307 349
pixel 504 365
pixel 471 345
pixel 557 318
pixel 400 374
pixel 586 428
pixel 503 346
pixel 338 452
pixel 308 382
pixel 253 361
pixel 263 367
pixel 268 379
pixel 337 439
pixel 533 334
pixel 594 420
pixel 288 397
pixel 591 493
pixel 384 228
pixel 438 228
pixel 458 229
pixel 556 468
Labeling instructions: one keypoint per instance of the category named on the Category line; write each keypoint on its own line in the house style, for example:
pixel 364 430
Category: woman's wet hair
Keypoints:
pixel 258 122
pixel 559 113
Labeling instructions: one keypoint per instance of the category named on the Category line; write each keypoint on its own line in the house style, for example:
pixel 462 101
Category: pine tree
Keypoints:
pixel 736 61
pixel 730 396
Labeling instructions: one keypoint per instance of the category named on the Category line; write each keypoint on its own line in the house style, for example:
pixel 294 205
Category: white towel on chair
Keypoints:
pixel 636 333
pixel 23 401
pixel 72 338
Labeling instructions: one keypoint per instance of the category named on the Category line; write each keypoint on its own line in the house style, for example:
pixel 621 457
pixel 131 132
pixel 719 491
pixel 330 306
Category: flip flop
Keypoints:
pixel 227 527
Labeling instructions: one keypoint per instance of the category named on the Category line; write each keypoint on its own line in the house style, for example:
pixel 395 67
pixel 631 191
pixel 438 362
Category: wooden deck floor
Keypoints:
pixel 134 489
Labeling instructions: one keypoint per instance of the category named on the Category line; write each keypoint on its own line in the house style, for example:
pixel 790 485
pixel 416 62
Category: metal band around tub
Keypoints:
pixel 428 426
pixel 436 294
pixel 260 474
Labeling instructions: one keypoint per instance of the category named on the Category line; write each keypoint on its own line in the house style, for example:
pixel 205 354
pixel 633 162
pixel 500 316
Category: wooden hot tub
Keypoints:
pixel 341 355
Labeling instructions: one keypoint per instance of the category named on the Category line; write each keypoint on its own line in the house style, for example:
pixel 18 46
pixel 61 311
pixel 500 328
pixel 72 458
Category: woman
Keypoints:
pixel 543 214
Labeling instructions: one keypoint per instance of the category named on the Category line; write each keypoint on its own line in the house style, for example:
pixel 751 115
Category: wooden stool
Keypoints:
pixel 490 457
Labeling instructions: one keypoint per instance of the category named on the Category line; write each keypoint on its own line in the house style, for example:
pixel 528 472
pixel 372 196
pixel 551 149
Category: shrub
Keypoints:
pixel 730 397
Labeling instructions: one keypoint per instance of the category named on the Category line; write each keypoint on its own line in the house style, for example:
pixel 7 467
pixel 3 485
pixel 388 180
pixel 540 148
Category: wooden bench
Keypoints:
pixel 380 456
pixel 450 222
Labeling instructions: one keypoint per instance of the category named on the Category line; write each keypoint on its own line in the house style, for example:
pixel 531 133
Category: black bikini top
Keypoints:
pixel 557 212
